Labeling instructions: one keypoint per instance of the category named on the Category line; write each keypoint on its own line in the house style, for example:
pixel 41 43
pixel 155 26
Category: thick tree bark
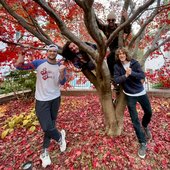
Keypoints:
pixel 109 113
pixel 113 113
pixel 120 105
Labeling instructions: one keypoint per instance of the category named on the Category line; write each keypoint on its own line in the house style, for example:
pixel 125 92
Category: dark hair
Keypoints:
pixel 67 53
pixel 125 51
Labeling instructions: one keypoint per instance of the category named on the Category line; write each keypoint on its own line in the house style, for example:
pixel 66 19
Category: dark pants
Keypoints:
pixel 111 62
pixel 47 112
pixel 145 104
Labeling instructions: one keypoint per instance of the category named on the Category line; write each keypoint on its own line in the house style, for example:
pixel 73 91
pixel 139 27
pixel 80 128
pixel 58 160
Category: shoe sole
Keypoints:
pixel 44 166
pixel 141 156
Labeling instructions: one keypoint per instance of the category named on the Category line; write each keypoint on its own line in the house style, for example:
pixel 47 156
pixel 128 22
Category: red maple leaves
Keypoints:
pixel 88 146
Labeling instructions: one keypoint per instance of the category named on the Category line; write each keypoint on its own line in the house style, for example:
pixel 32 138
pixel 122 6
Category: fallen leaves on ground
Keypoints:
pixel 88 147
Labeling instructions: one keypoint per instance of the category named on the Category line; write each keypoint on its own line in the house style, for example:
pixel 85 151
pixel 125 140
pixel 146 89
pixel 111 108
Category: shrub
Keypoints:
pixel 18 80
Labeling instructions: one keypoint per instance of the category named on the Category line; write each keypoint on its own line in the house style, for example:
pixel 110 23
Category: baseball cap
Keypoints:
pixel 111 15
pixel 52 46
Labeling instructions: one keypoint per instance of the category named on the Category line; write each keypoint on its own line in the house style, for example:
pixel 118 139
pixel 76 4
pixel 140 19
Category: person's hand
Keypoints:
pixel 21 55
pixel 142 81
pixel 82 59
pixel 62 61
pixel 62 68
pixel 20 59
pixel 124 13
pixel 128 72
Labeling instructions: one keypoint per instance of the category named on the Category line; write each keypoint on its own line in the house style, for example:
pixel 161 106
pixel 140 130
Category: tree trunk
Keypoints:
pixel 120 105
pixel 113 112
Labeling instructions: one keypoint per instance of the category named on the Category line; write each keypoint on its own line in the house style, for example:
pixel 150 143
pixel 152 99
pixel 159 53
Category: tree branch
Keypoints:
pixel 21 45
pixel 138 11
pixel 79 3
pixel 36 25
pixel 137 42
pixel 155 12
pixel 121 33
pixel 152 49
pixel 155 46
pixel 64 30
pixel 91 77
pixel 93 30
pixel 24 24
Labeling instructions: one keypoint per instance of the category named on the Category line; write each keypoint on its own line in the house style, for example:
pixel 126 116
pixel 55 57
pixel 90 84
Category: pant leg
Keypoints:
pixel 43 112
pixel 131 103
pixel 46 140
pixel 111 62
pixel 55 105
pixel 146 106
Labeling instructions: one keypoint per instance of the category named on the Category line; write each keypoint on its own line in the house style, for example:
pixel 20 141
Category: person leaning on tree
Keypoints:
pixel 50 75
pixel 108 29
pixel 129 74
pixel 80 59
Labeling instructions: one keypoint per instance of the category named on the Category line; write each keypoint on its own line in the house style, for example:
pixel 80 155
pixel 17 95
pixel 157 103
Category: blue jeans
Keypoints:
pixel 145 104
pixel 47 112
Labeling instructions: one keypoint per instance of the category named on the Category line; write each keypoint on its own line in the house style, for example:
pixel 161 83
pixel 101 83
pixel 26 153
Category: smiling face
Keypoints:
pixel 122 56
pixel 111 22
pixel 111 19
pixel 52 53
pixel 74 48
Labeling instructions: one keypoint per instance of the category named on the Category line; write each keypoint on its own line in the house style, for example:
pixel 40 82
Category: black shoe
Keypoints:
pixel 142 150
pixel 147 133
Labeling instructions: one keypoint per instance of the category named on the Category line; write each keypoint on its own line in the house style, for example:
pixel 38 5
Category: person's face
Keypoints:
pixel 74 48
pixel 52 53
pixel 111 22
pixel 122 56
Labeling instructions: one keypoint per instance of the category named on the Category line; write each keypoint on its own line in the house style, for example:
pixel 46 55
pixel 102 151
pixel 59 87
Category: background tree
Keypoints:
pixel 38 23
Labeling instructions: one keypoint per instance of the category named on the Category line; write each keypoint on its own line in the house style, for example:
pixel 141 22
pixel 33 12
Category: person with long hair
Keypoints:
pixel 78 57
pixel 128 73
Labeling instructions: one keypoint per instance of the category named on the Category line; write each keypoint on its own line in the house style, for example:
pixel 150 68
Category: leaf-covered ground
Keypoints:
pixel 88 147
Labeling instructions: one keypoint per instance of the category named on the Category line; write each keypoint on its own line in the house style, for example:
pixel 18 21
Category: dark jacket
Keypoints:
pixel 107 30
pixel 131 84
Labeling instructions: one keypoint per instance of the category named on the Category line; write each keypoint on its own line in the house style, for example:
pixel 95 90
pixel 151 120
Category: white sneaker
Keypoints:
pixel 62 142
pixel 45 158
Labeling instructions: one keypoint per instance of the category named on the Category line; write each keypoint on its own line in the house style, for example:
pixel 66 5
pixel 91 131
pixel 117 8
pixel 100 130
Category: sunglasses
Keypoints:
pixel 111 20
